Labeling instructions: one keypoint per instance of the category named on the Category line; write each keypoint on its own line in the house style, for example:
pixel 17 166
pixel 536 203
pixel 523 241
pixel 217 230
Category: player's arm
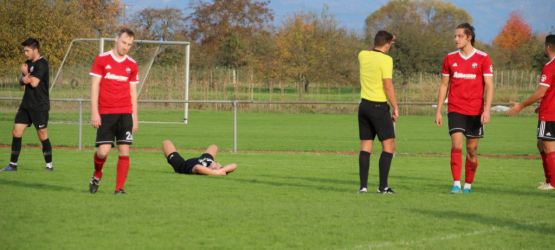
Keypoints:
pixel 390 94
pixel 95 90
pixel 537 95
pixel 488 87
pixel 200 169
pixel 24 73
pixel 230 167
pixel 31 80
pixel 441 95
pixel 135 115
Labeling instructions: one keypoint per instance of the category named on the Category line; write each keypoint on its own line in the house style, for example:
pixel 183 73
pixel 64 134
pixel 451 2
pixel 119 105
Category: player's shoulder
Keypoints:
pixel 451 55
pixel 131 59
pixel 105 54
pixel 550 64
pixel 481 53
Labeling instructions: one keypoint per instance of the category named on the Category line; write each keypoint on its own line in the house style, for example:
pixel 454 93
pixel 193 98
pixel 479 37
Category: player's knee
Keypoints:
pixel 213 147
pixel 17 133
pixel 43 134
pixel 471 151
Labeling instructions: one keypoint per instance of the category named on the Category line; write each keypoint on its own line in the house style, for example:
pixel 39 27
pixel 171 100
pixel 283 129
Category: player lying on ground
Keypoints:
pixel 205 164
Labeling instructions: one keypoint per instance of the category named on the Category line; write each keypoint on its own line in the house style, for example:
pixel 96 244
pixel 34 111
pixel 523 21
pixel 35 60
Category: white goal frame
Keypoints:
pixel 187 49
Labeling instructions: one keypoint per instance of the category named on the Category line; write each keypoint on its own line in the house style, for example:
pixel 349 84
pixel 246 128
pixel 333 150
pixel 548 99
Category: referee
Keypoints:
pixel 34 105
pixel 374 117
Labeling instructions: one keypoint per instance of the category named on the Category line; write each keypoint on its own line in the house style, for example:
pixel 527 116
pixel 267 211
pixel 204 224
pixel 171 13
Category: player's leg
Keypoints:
pixel 367 134
pixel 21 122
pixel 544 164
pixel 471 162
pixel 124 138
pixel 40 119
pixel 212 150
pixel 104 142
pixel 549 147
pixel 168 148
pixel 17 135
pixel 457 127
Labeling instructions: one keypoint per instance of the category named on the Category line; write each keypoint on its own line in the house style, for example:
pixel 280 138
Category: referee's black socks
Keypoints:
pixel 47 150
pixel 16 148
pixel 385 165
pixel 363 168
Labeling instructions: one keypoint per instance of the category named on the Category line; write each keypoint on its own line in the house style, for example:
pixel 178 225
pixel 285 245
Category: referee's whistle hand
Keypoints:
pixel 395 114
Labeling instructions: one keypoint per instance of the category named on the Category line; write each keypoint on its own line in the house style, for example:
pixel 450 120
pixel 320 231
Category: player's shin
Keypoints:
pixel 123 169
pixel 47 150
pixel 98 164
pixel 16 148
pixel 456 163
pixel 470 170
pixel 545 167
pixel 551 167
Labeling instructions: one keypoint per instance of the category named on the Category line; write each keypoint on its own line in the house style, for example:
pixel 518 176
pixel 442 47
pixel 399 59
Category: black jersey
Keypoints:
pixel 37 98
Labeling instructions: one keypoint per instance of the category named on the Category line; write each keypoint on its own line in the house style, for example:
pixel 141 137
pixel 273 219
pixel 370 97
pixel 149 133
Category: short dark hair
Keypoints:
pixel 550 41
pixel 127 31
pixel 382 37
pixel 31 42
pixel 468 30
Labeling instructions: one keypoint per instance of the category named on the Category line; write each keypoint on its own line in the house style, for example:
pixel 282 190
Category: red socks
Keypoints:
pixel 123 169
pixel 550 159
pixel 545 166
pixel 456 163
pixel 98 164
pixel 470 171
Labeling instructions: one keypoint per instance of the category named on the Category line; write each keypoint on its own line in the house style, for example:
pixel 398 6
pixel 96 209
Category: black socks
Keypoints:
pixel 47 150
pixel 363 168
pixel 385 165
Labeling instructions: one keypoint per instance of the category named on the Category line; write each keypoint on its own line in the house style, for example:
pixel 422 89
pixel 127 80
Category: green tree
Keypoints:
pixel 423 29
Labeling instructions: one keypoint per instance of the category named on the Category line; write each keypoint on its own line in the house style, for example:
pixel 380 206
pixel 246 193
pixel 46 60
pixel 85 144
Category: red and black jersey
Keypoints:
pixel 547 105
pixel 466 81
pixel 116 77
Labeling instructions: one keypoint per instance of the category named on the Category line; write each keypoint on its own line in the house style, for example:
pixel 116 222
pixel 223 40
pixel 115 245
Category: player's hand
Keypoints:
pixel 135 124
pixel 24 69
pixel 517 107
pixel 439 119
pixel 485 117
pixel 26 79
pixel 395 114
pixel 537 110
pixel 95 120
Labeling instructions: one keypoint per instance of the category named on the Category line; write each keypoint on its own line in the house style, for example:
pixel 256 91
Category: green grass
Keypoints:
pixel 280 197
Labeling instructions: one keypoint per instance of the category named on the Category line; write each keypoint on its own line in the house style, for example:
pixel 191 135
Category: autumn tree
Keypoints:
pixel 159 24
pixel 55 25
pixel 423 29
pixel 515 37
pixel 225 29
pixel 100 15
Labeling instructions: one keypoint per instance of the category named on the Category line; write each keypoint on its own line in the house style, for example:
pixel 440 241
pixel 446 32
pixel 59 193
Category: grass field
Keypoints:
pixel 295 188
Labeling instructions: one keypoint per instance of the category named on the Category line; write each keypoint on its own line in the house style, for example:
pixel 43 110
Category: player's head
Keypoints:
pixel 124 41
pixel 384 40
pixel 550 44
pixel 31 48
pixel 464 34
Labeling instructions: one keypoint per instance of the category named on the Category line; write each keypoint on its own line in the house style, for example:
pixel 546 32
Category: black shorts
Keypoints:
pixel 118 126
pixel 183 166
pixel 38 118
pixel 374 119
pixel 546 131
pixel 470 125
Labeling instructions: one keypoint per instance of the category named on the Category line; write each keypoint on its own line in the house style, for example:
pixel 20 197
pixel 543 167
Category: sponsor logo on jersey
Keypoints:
pixel 544 77
pixel 464 76
pixel 474 65
pixel 128 70
pixel 116 77
pixel 454 65
pixel 108 67
pixel 31 69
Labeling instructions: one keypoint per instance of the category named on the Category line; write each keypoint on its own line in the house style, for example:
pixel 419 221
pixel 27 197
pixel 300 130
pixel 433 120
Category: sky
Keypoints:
pixel 488 16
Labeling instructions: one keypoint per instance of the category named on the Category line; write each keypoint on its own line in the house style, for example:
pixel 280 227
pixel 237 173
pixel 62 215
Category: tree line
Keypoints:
pixel 305 48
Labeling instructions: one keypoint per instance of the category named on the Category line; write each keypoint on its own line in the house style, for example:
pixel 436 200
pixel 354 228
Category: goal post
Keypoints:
pixel 146 65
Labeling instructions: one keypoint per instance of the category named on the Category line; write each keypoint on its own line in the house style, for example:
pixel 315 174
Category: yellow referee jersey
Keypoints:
pixel 374 67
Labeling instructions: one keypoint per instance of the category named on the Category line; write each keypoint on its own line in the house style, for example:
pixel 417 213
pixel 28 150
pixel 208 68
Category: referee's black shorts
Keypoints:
pixel 374 119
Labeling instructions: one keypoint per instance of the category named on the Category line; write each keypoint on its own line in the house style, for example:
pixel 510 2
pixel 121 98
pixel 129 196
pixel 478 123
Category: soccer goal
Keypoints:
pixel 163 71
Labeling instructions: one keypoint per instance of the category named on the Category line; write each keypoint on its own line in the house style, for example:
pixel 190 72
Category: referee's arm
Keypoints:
pixel 390 94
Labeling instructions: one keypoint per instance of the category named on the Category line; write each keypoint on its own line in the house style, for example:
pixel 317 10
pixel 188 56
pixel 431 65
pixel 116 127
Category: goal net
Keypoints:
pixel 163 75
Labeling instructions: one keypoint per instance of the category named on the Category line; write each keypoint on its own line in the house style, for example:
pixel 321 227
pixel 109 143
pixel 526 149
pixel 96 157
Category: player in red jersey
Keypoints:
pixel 546 115
pixel 114 107
pixel 467 77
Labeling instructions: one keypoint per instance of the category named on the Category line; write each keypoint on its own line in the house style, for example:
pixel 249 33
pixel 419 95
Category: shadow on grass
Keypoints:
pixel 289 184
pixel 42 186
pixel 488 221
